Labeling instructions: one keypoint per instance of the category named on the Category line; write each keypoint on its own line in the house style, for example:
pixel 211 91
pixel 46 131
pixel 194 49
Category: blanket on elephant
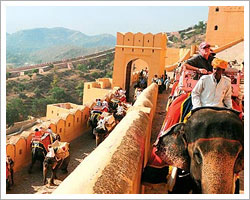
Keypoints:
pixel 62 149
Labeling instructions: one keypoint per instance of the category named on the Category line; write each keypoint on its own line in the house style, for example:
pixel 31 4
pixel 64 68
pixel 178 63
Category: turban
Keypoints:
pixel 219 63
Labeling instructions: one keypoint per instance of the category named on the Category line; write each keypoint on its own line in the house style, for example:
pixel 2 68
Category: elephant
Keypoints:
pixel 38 151
pixel 210 146
pixel 100 135
pixel 61 161
pixel 62 164
pixel 94 118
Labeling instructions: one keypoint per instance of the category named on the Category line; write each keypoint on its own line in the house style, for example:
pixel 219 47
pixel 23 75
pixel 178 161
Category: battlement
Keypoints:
pixel 139 40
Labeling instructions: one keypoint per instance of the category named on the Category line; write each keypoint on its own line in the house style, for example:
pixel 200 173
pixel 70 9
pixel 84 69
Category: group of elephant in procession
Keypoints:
pixel 104 116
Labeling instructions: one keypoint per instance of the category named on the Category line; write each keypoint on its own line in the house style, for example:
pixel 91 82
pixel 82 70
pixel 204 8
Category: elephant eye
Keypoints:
pixel 197 157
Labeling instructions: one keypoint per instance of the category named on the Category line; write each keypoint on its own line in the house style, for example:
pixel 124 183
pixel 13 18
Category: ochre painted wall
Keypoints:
pixel 172 56
pixel 69 125
pixel 230 24
pixel 130 47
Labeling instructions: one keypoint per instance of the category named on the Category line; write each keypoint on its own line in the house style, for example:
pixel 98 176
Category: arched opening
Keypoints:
pixel 133 70
pixel 216 28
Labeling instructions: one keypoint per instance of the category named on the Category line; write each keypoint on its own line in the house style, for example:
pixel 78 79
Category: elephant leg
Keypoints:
pixel 12 176
pixel 65 165
pixel 45 170
pixel 97 140
pixel 41 165
pixel 7 184
pixel 93 134
pixel 53 176
pixel 31 165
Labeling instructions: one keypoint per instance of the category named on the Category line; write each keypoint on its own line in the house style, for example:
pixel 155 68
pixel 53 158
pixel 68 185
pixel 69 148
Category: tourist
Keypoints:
pixel 214 89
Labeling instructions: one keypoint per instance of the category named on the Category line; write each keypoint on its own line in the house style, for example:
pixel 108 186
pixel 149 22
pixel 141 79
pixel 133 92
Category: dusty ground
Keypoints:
pixel 32 183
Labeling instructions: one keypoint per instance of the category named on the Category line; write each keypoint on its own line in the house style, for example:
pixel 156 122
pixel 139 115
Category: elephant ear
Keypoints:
pixel 172 147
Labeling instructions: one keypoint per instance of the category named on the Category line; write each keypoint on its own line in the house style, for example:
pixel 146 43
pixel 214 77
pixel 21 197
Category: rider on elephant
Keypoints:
pixel 214 89
pixel 100 131
pixel 105 106
pixel 120 113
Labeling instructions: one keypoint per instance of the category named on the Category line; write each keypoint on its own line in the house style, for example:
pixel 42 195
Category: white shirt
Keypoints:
pixel 207 92
pixel 120 110
pixel 105 103
pixel 101 122
pixel 51 152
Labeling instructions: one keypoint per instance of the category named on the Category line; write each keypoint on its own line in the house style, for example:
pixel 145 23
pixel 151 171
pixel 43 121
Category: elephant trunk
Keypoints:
pixel 217 176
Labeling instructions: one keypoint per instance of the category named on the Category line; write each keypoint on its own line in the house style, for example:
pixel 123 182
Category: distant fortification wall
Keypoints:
pixel 61 63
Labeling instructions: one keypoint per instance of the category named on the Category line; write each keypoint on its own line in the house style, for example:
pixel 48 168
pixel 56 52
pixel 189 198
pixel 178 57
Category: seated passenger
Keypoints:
pixel 213 89
pixel 201 62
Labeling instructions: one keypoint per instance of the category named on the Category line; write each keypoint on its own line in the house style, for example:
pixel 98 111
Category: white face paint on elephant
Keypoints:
pixel 210 146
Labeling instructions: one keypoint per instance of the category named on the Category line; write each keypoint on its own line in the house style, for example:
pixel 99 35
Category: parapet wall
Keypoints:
pixel 98 89
pixel 69 127
pixel 115 166
pixel 142 40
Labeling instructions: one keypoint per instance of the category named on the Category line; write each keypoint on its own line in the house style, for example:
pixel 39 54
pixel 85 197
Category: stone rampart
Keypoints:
pixel 69 126
pixel 115 166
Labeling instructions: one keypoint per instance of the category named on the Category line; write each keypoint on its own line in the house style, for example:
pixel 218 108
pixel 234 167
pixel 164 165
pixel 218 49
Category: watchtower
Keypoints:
pixel 225 24
pixel 130 47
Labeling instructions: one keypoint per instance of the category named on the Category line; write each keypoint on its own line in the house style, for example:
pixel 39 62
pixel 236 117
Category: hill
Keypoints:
pixel 40 45
pixel 29 95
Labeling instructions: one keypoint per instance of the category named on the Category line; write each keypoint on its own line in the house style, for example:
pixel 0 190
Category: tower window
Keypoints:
pixel 216 28
pixel 217 9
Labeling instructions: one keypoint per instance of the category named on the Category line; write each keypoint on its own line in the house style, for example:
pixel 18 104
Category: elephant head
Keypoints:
pixel 210 145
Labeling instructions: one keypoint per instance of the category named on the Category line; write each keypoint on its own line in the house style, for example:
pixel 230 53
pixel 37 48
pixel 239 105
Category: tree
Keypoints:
pixel 82 67
pixel 79 89
pixel 109 74
pixel 8 74
pixel 58 94
pixel 15 111
pixel 35 71
pixel 55 81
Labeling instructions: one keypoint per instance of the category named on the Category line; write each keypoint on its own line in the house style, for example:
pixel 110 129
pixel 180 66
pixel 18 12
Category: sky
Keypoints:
pixel 94 20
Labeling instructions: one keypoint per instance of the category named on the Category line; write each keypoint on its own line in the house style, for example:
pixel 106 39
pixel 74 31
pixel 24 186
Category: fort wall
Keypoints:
pixel 69 126
pixel 128 144
pixel 96 90
pixel 225 24
pixel 130 47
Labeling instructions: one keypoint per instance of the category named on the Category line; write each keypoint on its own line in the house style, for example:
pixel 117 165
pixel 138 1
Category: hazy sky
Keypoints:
pixel 93 20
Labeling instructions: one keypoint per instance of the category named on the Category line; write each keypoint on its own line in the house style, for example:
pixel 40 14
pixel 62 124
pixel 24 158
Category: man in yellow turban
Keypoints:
pixel 214 89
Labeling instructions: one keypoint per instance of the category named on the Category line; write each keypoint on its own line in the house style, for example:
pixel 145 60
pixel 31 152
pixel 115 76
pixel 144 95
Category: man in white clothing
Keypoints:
pixel 214 89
